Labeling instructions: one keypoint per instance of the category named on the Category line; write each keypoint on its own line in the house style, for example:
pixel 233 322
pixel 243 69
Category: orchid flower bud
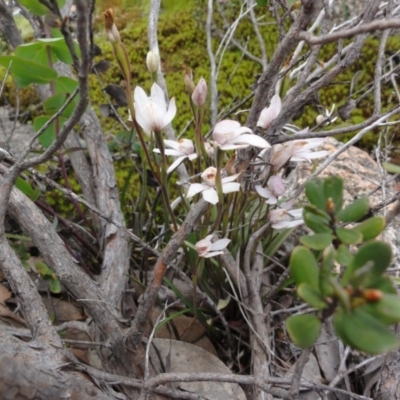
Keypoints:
pixel 199 94
pixel 188 79
pixel 153 61
pixel 111 29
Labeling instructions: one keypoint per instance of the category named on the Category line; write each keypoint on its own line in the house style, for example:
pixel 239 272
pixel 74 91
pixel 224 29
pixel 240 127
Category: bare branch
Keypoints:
pixel 347 33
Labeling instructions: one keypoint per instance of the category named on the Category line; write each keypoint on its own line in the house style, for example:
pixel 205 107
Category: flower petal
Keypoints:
pixel 196 188
pixel 175 164
pixel 232 146
pixel 220 244
pixel 266 193
pixel 158 96
pixel 211 254
pixel 140 96
pixel 210 195
pixel 252 140
pixel 170 114
pixel 272 200
pixel 230 187
pixel 229 178
pixel 287 224
pixel 172 144
pixel 142 120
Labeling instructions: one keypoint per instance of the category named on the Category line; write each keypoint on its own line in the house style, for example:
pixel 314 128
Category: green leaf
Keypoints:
pixel 326 272
pixel 24 187
pixel 362 331
pixel 386 310
pixel 63 85
pixel 49 135
pixel 303 329
pixel 391 168
pixel 384 284
pixel 371 228
pixel 43 269
pixel 318 241
pixel 348 236
pixel 311 296
pixel 275 244
pixel 35 7
pixel 58 48
pixel 369 263
pixel 45 51
pixel 333 189
pixel 26 71
pixel 317 223
pixel 262 3
pixel 55 286
pixel 34 52
pixel 53 104
pixel 343 255
pixel 315 193
pixel 304 267
pixel 354 211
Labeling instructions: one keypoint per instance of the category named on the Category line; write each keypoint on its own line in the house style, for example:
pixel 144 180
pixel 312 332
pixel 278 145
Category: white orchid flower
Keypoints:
pixel 276 188
pixel 208 190
pixel 268 114
pixel 183 148
pixel 230 135
pixel 296 150
pixel 207 249
pixel 284 217
pixel 152 113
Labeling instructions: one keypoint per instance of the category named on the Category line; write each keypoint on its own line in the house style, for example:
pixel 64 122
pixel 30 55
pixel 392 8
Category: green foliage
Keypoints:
pixel 363 301
pixel 303 329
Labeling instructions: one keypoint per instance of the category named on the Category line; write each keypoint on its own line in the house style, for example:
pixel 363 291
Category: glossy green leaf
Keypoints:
pixel 343 255
pixel 348 236
pixel 45 51
pixel 55 286
pixel 311 296
pixel 26 71
pixel 303 329
pixel 391 168
pixel 318 241
pixel 304 267
pixel 386 310
pixel 314 210
pixel 63 85
pixel 369 263
pixel 354 211
pixel 317 223
pixel 362 331
pixel 35 52
pixel 333 189
pixel 315 193
pixel 58 48
pixel 371 228
pixel 327 265
pixel 35 7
